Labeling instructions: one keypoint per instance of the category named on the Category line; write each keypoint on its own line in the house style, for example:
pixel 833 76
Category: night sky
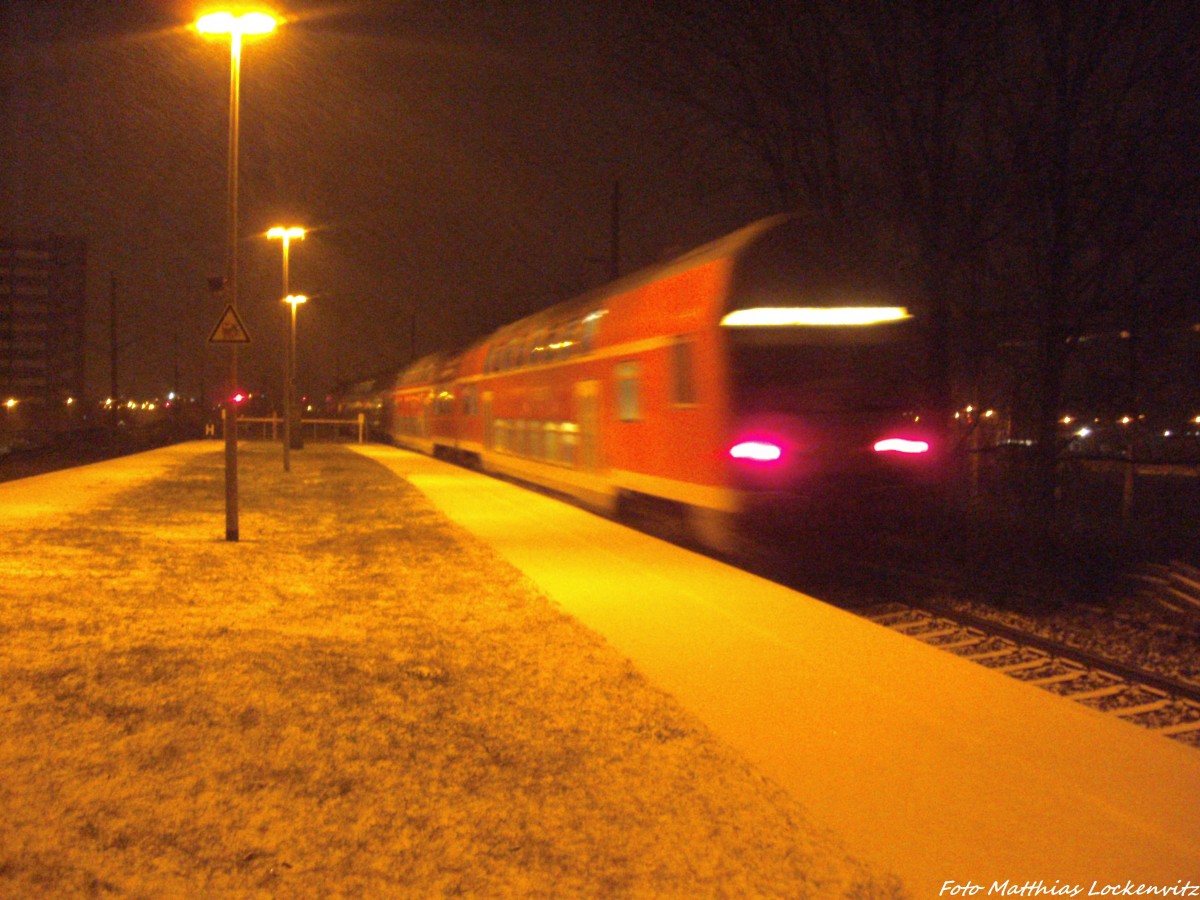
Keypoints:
pixel 454 161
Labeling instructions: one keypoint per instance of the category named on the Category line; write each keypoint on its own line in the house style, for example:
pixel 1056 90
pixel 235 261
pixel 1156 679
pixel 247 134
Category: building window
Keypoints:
pixel 629 391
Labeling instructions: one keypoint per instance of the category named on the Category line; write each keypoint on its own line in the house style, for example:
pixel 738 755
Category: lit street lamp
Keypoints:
pixel 236 26
pixel 292 438
pixel 291 406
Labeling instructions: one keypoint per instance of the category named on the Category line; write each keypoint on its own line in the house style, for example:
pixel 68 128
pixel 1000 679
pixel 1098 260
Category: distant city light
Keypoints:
pixel 11 402
pixel 1083 432
pixel 1125 420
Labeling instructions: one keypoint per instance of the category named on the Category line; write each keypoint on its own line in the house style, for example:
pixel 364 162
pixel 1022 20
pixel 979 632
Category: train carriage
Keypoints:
pixel 773 372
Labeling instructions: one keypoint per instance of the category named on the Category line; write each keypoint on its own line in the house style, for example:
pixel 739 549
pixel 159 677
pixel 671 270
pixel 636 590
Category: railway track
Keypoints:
pixel 1148 699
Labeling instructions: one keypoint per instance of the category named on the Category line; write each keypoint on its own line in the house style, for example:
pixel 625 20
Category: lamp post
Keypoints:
pixel 293 407
pixel 236 26
pixel 291 439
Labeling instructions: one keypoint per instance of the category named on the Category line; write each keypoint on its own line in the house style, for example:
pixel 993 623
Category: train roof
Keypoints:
pixel 822 260
pixel 728 247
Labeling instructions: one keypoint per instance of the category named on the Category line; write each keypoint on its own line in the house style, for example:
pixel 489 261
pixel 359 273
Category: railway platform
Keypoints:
pixel 961 781
pixel 956 777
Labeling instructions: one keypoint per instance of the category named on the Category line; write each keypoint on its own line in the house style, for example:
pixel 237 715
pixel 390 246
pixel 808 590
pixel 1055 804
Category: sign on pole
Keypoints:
pixel 230 329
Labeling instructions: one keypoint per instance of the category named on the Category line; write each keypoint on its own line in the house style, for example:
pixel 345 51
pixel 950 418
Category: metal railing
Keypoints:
pixel 271 428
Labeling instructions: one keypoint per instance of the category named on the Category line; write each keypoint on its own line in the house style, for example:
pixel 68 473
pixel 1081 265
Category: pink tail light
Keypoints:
pixel 901 445
pixel 756 451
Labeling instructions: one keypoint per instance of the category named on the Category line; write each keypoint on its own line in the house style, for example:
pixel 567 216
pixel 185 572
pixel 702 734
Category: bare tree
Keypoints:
pixel 764 76
pixel 922 73
pixel 856 112
pixel 1092 113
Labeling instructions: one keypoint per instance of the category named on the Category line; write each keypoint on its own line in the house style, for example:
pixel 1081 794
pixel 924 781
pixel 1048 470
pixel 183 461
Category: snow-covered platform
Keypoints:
pixel 963 781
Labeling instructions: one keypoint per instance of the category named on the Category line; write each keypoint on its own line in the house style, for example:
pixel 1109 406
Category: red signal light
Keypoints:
pixel 238 398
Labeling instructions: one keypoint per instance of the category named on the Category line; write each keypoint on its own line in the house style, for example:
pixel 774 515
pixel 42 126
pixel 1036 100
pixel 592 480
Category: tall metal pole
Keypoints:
pixel 291 431
pixel 235 26
pixel 291 385
pixel 113 386
pixel 231 427
pixel 289 375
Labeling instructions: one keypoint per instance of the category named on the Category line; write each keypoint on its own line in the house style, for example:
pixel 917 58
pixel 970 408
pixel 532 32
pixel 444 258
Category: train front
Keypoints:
pixel 830 428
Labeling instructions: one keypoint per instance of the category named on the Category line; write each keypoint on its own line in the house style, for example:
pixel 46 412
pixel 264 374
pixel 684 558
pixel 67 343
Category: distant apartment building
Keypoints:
pixel 42 299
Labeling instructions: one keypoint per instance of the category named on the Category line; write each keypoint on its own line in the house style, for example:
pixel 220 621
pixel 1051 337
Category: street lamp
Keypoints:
pixel 292 407
pixel 292 439
pixel 293 300
pixel 236 26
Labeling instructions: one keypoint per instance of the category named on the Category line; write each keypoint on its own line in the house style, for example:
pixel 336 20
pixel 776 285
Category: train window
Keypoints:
pixel 470 404
pixel 828 377
pixel 572 337
pixel 569 441
pixel 552 345
pixel 683 374
pixel 591 325
pixel 629 391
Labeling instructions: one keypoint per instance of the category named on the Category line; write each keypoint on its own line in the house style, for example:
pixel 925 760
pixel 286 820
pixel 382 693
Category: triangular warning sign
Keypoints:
pixel 229 330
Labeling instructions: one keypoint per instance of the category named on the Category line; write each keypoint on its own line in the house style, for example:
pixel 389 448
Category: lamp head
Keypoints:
pixel 288 233
pixel 246 23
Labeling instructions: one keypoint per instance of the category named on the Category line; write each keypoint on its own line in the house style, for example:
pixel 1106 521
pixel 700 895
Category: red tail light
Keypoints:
pixel 756 451
pixel 901 445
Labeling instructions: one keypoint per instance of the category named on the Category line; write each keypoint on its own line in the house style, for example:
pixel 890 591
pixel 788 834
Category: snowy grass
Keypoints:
pixel 356 699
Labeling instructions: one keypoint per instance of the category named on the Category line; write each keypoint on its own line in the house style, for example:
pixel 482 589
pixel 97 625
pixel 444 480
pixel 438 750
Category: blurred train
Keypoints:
pixel 774 375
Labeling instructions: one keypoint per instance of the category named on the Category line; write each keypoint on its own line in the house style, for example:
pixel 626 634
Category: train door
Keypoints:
pixel 489 440
pixel 587 401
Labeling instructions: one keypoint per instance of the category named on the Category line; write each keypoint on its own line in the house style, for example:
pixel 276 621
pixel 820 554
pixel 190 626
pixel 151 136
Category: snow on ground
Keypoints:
pixel 355 699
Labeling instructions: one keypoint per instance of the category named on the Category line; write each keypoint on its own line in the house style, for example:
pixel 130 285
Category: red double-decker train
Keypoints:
pixel 774 374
